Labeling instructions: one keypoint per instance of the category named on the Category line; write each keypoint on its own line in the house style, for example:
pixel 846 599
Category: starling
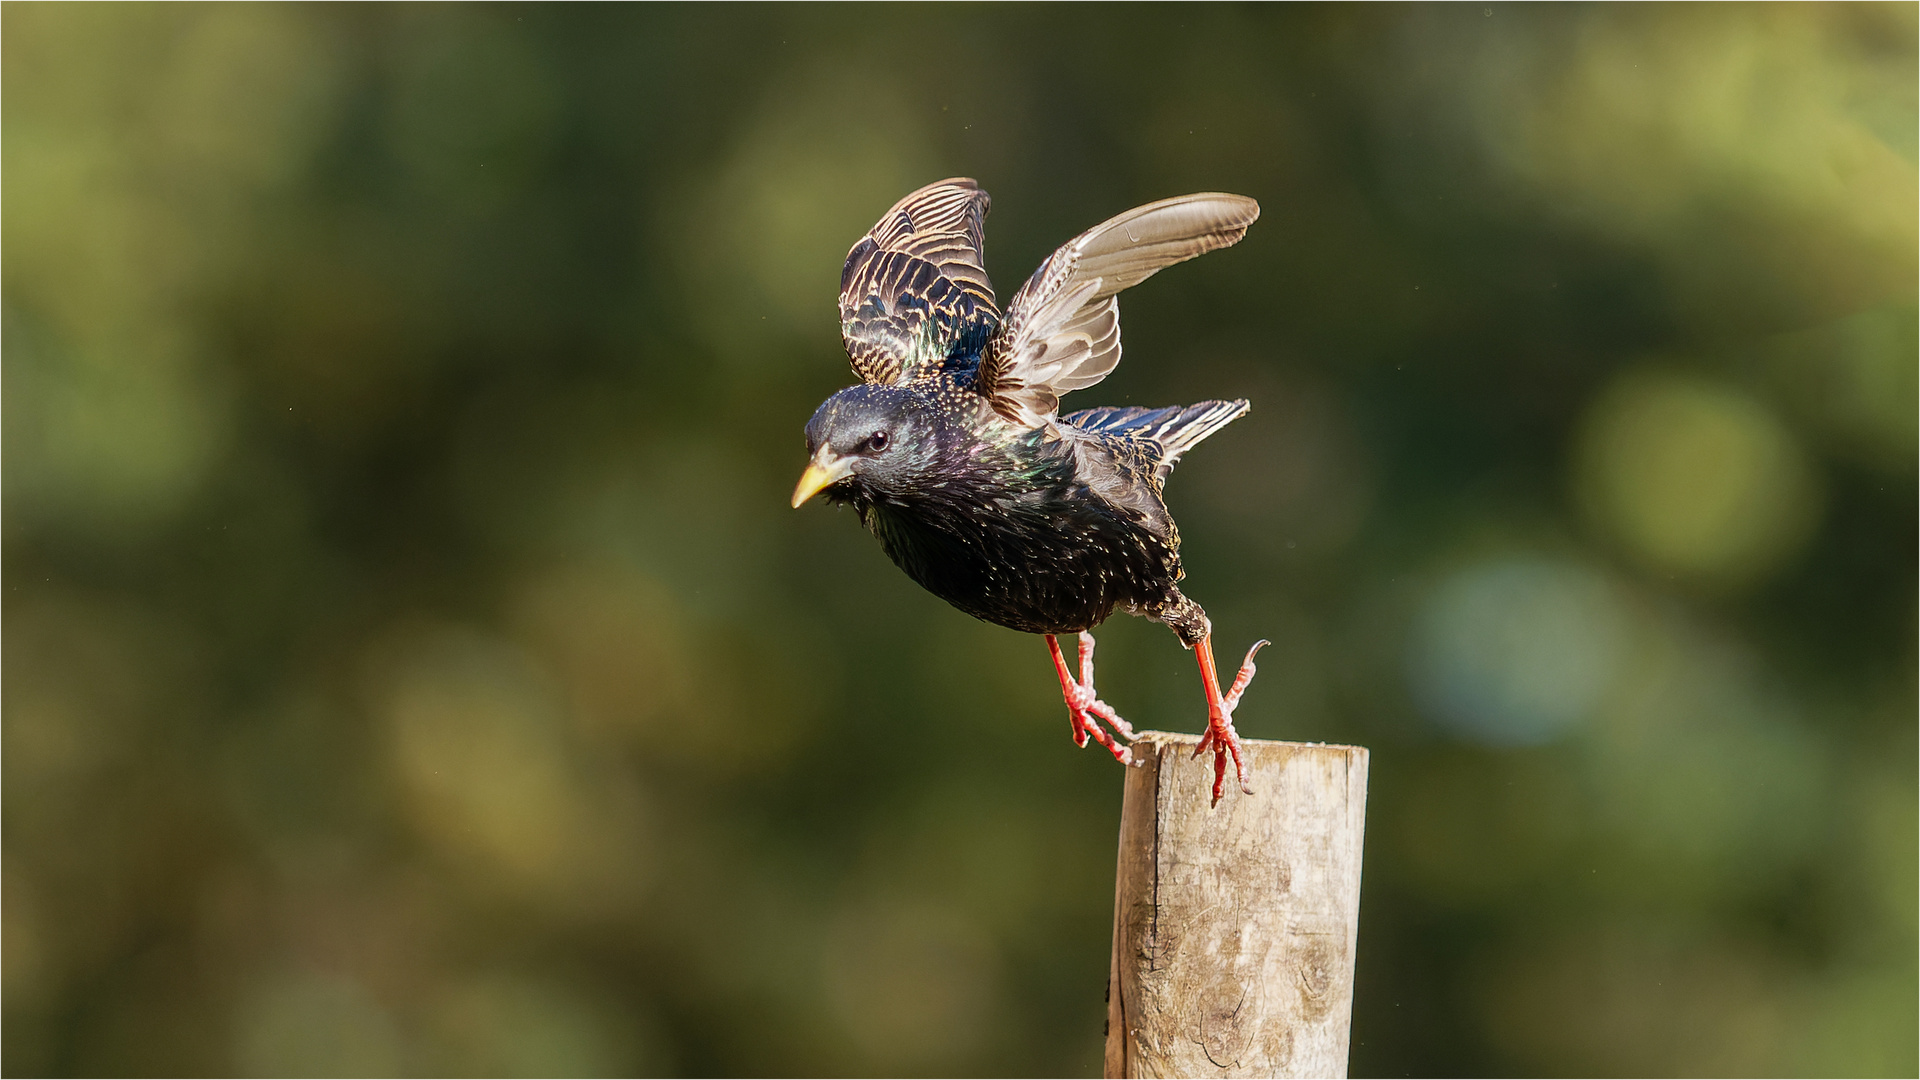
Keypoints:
pixel 954 453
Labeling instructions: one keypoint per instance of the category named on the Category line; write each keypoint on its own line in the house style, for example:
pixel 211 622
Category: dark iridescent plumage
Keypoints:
pixel 955 457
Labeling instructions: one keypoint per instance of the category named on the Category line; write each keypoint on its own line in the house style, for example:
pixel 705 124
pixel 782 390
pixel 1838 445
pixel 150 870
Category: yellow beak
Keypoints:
pixel 820 474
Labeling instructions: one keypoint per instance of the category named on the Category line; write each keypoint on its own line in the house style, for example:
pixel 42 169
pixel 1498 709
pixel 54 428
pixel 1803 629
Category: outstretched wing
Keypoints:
pixel 1062 330
pixel 913 294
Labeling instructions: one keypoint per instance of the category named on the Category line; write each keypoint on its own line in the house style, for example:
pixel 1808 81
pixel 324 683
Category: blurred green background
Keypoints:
pixel 412 663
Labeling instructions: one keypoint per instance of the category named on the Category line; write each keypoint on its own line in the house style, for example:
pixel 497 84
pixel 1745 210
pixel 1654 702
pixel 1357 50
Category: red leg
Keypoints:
pixel 1220 735
pixel 1067 689
pixel 1094 704
pixel 1084 708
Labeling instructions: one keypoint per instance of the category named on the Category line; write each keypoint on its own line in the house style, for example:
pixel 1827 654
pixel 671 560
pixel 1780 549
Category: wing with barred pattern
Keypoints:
pixel 914 296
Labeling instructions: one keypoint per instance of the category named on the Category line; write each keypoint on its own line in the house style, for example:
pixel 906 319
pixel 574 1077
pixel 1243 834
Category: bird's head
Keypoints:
pixel 869 440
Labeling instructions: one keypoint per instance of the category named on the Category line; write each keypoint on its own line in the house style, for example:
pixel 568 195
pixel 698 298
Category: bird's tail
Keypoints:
pixel 1173 430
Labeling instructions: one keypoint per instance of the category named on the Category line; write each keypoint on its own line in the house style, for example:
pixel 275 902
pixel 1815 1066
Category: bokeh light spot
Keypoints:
pixel 1515 651
pixel 1695 478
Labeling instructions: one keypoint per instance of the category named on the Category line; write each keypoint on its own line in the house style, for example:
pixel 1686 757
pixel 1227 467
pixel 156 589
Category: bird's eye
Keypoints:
pixel 877 441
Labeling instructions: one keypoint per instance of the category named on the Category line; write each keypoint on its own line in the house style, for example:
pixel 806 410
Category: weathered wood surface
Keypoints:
pixel 1235 926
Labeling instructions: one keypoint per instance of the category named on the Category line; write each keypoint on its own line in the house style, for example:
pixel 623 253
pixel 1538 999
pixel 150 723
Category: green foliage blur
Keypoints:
pixel 412 663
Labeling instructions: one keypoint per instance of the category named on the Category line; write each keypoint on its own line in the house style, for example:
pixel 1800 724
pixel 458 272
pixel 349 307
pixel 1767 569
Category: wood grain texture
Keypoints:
pixel 1235 927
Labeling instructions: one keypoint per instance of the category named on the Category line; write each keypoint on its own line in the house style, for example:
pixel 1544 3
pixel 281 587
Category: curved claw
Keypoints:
pixel 1220 736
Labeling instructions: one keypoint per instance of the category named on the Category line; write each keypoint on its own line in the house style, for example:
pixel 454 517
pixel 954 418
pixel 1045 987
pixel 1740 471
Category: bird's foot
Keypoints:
pixel 1220 736
pixel 1084 708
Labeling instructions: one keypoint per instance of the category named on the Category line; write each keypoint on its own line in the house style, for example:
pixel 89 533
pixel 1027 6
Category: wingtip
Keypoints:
pixel 1245 206
pixel 1249 206
pixel 967 182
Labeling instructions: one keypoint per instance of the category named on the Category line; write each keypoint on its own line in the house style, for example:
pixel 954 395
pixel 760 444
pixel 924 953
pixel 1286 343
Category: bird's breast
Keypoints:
pixel 1040 561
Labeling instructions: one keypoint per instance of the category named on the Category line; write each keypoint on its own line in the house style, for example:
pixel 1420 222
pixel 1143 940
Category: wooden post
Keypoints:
pixel 1234 926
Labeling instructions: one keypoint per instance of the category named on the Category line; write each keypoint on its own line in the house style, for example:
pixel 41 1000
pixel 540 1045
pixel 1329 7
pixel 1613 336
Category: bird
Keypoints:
pixel 954 454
